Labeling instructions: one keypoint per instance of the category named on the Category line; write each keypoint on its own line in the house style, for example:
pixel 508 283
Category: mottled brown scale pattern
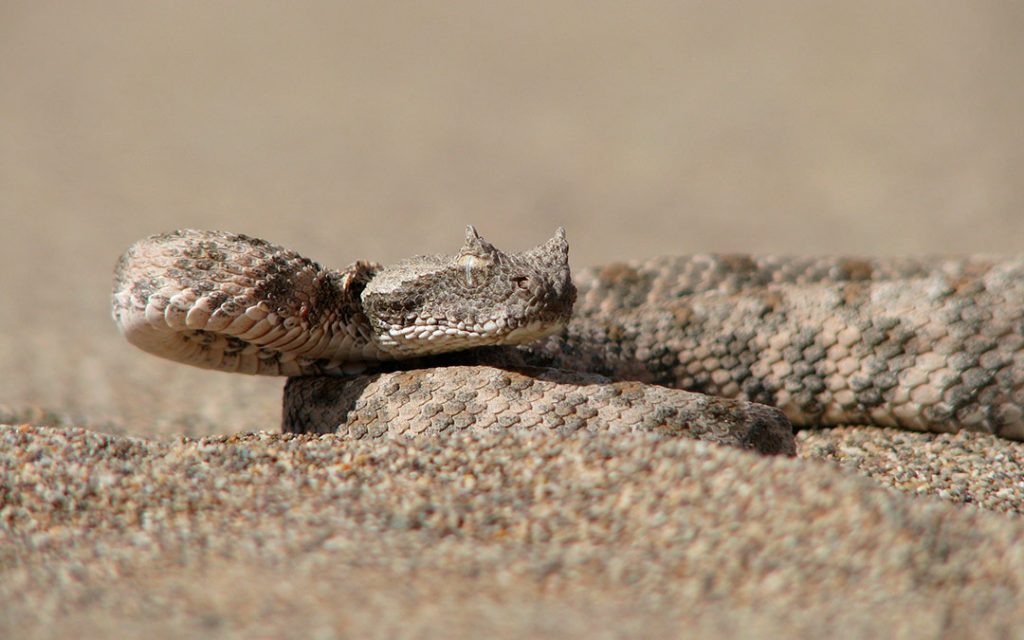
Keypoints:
pixel 222 276
pixel 452 399
pixel 929 344
pixel 457 342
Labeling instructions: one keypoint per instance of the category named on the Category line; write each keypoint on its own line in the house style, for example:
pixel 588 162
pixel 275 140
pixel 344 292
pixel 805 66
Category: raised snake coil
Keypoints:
pixel 928 344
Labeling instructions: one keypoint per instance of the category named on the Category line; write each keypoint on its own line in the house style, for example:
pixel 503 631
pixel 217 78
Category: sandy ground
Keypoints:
pixel 376 131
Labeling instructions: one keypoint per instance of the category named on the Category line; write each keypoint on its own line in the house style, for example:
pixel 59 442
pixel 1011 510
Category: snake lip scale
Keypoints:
pixel 728 348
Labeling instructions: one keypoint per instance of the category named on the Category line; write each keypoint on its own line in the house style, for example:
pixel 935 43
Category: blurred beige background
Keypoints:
pixel 378 130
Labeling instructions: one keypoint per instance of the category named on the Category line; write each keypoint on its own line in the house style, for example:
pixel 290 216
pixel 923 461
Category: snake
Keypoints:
pixel 731 348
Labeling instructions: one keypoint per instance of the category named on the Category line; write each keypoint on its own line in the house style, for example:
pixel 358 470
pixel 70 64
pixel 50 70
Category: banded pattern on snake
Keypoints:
pixel 701 345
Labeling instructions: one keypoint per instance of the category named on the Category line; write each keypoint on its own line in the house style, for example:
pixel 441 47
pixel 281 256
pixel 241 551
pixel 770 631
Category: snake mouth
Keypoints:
pixel 432 336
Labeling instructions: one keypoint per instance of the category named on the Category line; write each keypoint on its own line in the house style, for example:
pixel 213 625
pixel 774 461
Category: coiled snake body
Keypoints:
pixel 703 345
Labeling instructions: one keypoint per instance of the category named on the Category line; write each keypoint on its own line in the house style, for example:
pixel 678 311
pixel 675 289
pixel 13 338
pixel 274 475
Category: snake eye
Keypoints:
pixel 522 282
pixel 474 267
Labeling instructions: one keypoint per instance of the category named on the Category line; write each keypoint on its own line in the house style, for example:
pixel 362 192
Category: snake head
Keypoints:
pixel 481 296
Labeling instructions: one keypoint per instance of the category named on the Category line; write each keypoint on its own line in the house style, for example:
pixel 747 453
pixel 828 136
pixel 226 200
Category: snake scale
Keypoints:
pixel 729 348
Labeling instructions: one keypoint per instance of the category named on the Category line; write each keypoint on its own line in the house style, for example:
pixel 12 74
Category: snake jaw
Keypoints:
pixel 480 297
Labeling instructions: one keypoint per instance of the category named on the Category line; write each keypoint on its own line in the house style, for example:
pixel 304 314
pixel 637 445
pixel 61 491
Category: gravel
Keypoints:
pixel 963 468
pixel 509 534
